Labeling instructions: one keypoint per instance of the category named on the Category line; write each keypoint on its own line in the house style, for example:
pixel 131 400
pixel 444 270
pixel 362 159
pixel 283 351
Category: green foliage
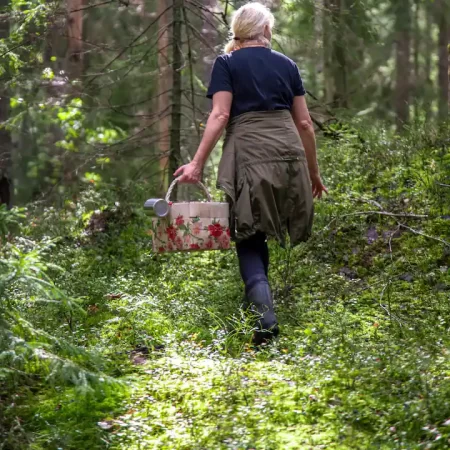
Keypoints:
pixel 363 358
pixel 10 221
pixel 362 361
pixel 31 356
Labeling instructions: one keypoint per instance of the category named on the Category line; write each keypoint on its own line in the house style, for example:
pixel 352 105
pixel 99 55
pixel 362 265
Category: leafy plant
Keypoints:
pixel 10 221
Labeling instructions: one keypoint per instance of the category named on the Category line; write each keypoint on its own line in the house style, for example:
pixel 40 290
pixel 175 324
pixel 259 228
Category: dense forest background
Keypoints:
pixel 113 92
pixel 106 345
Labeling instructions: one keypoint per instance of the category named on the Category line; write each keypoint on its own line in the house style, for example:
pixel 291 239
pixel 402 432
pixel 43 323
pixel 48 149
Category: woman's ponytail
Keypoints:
pixel 248 24
pixel 229 47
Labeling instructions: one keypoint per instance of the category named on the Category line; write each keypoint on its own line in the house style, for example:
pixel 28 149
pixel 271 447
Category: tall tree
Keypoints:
pixel 5 137
pixel 327 53
pixel 211 35
pixel 177 62
pixel 74 53
pixel 336 39
pixel 339 51
pixel 402 11
pixel 317 64
pixel 429 48
pixel 416 51
pixel 444 42
pixel 164 88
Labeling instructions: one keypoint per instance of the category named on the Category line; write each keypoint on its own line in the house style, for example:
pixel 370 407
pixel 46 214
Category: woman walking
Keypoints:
pixel 269 168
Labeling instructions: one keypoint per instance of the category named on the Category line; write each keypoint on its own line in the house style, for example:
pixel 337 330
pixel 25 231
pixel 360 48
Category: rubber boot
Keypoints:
pixel 260 299
pixel 245 303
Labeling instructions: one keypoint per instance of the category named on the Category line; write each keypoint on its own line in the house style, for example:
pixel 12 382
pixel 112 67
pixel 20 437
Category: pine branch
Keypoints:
pixel 131 44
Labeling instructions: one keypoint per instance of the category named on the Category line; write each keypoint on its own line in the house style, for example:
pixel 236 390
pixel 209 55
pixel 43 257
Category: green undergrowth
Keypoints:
pixel 363 357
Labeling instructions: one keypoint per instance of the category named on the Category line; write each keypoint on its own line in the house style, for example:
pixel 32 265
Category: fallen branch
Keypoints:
pixel 381 213
pixel 386 213
pixel 402 225
pixel 424 235
pixel 395 216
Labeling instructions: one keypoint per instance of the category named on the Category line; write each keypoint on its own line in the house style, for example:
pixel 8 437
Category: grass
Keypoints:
pixel 362 361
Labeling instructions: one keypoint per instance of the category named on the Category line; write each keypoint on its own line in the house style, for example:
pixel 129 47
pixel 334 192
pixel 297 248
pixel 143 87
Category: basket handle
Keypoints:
pixel 199 184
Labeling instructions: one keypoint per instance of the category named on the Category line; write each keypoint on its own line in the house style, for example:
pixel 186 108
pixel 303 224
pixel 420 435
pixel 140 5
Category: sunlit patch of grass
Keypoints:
pixel 344 396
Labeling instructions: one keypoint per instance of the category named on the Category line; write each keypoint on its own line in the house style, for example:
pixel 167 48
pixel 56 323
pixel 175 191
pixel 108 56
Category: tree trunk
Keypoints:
pixel 208 55
pixel 164 87
pixel 339 59
pixel 403 63
pixel 335 64
pixel 5 137
pixel 74 54
pixel 73 68
pixel 443 76
pixel 209 32
pixel 327 53
pixel 429 47
pixel 177 61
pixel 417 78
pixel 316 63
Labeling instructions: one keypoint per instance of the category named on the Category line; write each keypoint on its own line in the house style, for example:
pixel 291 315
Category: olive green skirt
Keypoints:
pixel 264 173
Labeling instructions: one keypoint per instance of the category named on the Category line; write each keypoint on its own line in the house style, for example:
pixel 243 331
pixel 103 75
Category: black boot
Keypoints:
pixel 260 299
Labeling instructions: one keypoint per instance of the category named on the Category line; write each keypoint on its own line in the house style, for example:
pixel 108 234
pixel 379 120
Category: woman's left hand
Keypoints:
pixel 318 188
pixel 189 173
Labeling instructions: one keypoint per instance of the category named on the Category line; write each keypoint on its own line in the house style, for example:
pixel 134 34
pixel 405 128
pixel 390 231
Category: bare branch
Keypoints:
pixel 94 5
pixel 201 38
pixel 191 70
pixel 131 43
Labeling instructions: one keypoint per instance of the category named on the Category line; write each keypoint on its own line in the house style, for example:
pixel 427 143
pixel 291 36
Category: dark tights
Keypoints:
pixel 253 255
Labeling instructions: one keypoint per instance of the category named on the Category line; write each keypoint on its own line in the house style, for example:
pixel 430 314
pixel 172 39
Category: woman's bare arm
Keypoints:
pixel 217 121
pixel 303 122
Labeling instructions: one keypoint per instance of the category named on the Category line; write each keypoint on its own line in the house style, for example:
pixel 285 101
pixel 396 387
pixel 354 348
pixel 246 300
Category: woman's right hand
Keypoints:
pixel 318 188
pixel 189 173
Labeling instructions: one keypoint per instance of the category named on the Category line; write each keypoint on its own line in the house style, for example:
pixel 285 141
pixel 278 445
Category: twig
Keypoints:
pixel 23 44
pixel 442 241
pixel 390 240
pixel 191 71
pixel 389 313
pixel 222 15
pixel 94 5
pixel 201 38
pixel 130 44
pixel 372 202
pixel 225 14
pixel 424 235
pixel 203 17
pixel 381 213
pixel 148 52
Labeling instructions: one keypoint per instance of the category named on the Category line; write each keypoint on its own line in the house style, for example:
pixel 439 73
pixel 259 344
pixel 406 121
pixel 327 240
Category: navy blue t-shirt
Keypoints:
pixel 259 78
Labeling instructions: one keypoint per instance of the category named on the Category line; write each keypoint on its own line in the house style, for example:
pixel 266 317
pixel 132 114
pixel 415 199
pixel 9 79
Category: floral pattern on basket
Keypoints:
pixel 190 234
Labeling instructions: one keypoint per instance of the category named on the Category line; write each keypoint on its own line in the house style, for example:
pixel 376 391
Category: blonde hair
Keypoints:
pixel 248 23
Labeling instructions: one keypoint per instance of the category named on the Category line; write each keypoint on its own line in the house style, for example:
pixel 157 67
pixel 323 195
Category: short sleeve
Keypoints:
pixel 220 78
pixel 297 87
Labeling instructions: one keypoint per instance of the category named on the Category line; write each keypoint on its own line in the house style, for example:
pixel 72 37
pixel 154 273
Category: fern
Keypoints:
pixel 26 349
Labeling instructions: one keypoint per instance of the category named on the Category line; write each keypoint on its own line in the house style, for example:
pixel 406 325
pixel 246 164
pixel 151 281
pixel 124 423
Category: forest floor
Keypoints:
pixel 363 358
